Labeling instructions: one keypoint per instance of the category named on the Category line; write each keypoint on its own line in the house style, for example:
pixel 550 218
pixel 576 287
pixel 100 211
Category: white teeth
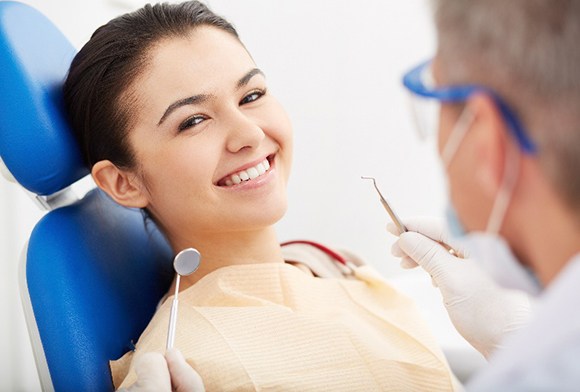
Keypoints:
pixel 248 174
pixel 253 173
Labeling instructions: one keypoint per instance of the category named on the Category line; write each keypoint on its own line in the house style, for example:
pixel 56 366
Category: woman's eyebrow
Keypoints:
pixel 246 78
pixel 182 102
pixel 196 99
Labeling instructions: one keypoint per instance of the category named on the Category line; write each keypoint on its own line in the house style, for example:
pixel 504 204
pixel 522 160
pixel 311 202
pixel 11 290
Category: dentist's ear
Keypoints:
pixel 121 185
pixel 492 142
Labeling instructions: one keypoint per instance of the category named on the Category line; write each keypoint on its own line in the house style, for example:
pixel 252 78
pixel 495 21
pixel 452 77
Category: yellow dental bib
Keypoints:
pixel 272 327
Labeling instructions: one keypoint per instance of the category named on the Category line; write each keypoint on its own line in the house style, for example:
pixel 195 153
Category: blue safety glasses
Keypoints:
pixel 426 100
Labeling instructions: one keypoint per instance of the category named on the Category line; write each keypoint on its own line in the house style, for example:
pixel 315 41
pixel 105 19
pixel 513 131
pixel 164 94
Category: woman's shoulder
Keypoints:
pixel 323 260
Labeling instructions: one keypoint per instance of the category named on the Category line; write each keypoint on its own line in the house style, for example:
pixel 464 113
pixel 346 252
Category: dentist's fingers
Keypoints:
pixel 183 377
pixel 433 228
pixel 396 250
pixel 152 374
pixel 406 261
pixel 429 254
pixel 393 229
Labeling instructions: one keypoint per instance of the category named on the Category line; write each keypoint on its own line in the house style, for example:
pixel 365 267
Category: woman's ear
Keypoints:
pixel 123 186
pixel 491 136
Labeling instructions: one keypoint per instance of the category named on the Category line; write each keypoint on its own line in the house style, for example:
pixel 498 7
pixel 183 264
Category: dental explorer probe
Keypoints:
pixel 399 223
pixel 387 207
pixel 185 263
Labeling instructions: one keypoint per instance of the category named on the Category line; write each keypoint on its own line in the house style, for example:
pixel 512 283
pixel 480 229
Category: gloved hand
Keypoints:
pixel 156 373
pixel 183 377
pixel 481 311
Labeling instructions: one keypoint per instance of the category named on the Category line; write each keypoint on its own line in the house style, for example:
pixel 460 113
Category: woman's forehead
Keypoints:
pixel 204 48
pixel 205 61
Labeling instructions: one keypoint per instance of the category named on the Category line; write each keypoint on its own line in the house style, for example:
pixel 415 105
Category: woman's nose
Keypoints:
pixel 243 133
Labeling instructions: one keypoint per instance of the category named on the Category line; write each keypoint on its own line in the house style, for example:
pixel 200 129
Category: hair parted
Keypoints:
pixel 95 91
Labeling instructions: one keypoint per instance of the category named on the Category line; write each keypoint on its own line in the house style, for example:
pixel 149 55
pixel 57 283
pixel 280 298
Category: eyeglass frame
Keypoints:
pixel 457 93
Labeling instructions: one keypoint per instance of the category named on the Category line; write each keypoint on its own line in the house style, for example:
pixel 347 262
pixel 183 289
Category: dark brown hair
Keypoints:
pixel 103 70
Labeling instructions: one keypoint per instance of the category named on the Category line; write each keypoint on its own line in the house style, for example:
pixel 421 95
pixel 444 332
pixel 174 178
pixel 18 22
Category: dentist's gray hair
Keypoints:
pixel 529 52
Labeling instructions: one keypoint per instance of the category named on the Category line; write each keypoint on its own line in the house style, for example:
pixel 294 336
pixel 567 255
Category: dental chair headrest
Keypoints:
pixel 36 144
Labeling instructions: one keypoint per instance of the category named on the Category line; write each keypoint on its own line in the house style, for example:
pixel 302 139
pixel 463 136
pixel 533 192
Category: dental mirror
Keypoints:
pixel 185 263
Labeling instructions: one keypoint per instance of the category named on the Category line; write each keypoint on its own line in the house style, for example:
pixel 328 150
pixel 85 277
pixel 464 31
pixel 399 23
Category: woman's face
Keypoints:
pixel 213 148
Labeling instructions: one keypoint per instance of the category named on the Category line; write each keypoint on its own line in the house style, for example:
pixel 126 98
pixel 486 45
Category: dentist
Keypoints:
pixel 506 82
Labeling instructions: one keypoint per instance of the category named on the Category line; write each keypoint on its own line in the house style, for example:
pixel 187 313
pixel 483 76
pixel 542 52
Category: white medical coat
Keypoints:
pixel 545 355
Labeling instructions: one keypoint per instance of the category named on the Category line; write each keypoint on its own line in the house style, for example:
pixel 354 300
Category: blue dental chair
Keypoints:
pixel 93 271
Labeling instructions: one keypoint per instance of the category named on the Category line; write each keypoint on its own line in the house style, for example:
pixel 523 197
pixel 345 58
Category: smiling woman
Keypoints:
pixel 174 117
pixel 202 115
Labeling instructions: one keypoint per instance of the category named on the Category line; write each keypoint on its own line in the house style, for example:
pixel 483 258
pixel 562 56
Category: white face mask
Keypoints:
pixel 490 250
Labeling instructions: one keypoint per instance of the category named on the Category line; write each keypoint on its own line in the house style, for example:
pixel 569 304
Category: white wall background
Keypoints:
pixel 336 66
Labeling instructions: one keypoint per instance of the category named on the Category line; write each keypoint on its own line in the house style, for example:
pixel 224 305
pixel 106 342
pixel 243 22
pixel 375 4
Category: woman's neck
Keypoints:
pixel 236 248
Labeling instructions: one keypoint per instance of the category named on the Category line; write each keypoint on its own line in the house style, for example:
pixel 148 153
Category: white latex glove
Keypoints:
pixel 183 377
pixel 481 311
pixel 158 373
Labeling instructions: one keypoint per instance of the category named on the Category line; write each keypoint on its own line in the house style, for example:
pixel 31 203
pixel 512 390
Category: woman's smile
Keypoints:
pixel 248 173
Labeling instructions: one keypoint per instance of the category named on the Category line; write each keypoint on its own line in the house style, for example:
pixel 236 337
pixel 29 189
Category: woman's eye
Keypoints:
pixel 191 122
pixel 253 96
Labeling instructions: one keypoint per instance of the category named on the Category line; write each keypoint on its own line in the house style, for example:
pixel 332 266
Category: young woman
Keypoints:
pixel 174 117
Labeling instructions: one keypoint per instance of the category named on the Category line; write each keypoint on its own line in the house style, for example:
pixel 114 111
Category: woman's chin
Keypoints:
pixel 263 217
pixel 268 216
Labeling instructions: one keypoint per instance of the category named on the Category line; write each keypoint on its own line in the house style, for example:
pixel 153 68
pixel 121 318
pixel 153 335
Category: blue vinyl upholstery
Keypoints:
pixel 39 150
pixel 94 276
pixel 94 271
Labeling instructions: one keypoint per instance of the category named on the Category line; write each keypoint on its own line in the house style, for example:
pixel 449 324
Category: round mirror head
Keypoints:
pixel 187 261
